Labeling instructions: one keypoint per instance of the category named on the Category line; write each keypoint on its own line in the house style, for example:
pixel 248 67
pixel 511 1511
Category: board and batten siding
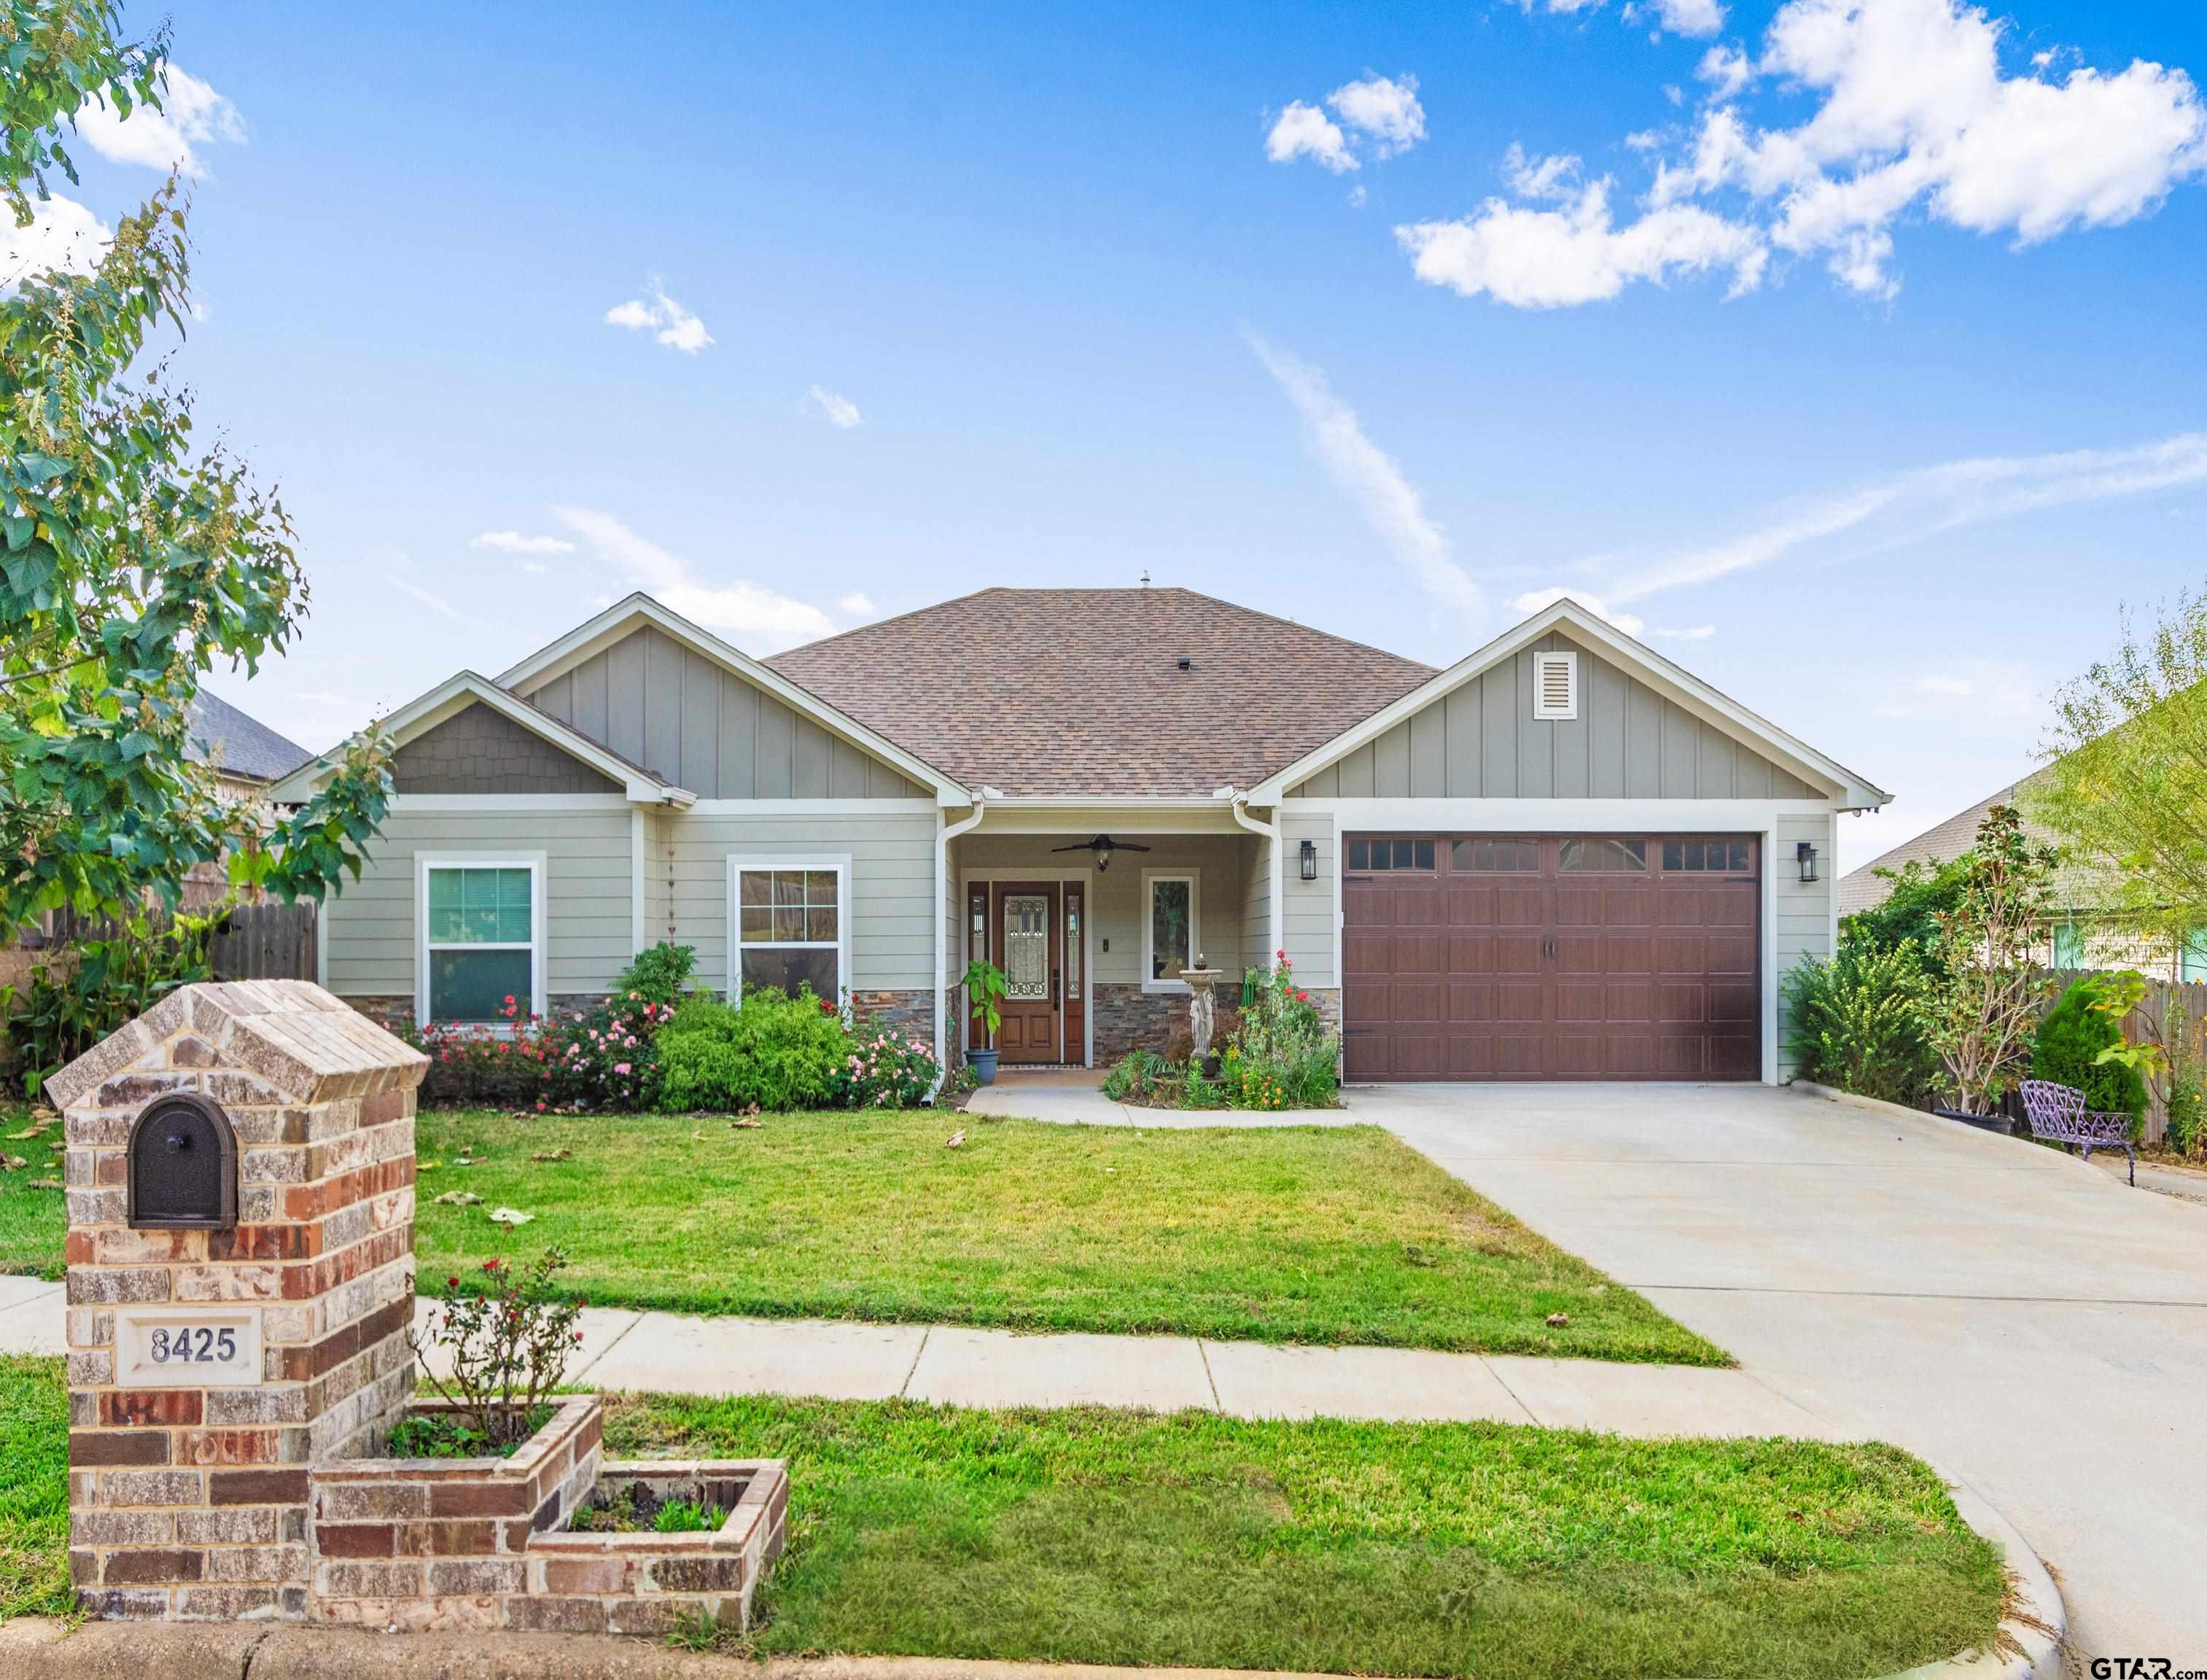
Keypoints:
pixel 1481 740
pixel 892 903
pixel 687 719
pixel 370 944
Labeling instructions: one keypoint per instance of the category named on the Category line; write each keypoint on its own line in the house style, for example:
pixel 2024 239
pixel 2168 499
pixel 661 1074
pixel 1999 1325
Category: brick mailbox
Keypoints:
pixel 241 1253
pixel 241 1206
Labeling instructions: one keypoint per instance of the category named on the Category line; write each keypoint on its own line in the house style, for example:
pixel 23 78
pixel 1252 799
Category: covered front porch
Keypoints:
pixel 1093 915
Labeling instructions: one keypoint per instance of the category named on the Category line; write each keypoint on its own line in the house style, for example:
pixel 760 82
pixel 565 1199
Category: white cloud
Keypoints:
pixel 1304 131
pixel 661 315
pixel 1389 503
pixel 754 618
pixel 1576 254
pixel 1382 111
pixel 1556 178
pixel 1727 70
pixel 1386 109
pixel 1533 600
pixel 63 235
pixel 1913 115
pixel 1684 17
pixel 192 113
pixel 856 605
pixel 513 542
pixel 1908 507
pixel 1684 633
pixel 840 412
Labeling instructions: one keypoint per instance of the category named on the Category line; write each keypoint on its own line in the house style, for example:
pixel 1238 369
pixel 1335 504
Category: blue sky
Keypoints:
pixel 1853 347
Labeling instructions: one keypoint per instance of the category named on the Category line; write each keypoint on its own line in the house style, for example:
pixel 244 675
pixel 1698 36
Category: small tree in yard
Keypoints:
pixel 131 562
pixel 1994 990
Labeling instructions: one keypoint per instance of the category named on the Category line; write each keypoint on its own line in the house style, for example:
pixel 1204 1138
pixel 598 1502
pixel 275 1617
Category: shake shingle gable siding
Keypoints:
pixel 1081 692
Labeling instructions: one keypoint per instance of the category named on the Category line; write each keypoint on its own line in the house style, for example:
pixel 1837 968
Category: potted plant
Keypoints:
pixel 984 986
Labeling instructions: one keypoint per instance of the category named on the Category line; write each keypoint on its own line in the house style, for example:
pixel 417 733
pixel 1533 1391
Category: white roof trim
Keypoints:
pixel 465 689
pixel 1850 791
pixel 556 659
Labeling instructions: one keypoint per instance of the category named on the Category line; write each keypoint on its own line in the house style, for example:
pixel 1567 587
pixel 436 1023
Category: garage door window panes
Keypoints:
pixel 1602 856
pixel 1484 855
pixel 789 931
pixel 480 936
pixel 1390 854
pixel 1721 856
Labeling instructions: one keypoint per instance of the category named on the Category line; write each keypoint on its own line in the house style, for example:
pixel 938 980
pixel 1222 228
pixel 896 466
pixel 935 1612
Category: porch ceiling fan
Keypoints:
pixel 1101 848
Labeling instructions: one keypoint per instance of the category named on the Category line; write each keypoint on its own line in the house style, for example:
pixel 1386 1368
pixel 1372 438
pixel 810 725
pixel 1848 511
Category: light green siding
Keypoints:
pixel 686 719
pixel 1804 911
pixel 1257 941
pixel 372 929
pixel 892 853
pixel 1481 741
pixel 1307 907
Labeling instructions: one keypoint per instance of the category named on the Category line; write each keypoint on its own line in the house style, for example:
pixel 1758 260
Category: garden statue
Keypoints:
pixel 1202 1007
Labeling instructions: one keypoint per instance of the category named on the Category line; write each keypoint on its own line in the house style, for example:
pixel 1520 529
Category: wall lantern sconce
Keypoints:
pixel 1805 855
pixel 1308 858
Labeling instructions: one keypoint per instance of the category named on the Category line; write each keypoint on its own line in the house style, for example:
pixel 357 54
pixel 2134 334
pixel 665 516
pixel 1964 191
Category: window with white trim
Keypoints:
pixel 1555 687
pixel 481 951
pixel 789 925
pixel 1170 938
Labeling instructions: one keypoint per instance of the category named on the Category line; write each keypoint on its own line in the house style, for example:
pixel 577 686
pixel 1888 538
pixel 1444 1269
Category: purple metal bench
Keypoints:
pixel 2056 1113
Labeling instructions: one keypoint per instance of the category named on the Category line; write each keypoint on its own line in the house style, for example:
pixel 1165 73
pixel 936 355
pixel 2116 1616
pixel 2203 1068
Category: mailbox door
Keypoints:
pixel 183 1166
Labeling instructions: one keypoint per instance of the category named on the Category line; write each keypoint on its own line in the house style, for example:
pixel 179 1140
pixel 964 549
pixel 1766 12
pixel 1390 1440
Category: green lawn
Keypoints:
pixel 1295 1233
pixel 1447 1549
pixel 32 1222
pixel 34 1578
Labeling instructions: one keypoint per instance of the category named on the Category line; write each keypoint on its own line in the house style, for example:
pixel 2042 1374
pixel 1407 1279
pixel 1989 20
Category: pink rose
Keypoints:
pixel 620 1067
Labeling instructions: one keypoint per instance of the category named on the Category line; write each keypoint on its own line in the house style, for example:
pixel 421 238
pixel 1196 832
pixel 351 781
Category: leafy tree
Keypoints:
pixel 1909 914
pixel 130 561
pixel 2127 784
pixel 1988 1008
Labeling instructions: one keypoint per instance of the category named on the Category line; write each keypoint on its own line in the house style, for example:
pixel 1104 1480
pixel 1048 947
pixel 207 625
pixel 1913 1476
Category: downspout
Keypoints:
pixel 1239 803
pixel 944 833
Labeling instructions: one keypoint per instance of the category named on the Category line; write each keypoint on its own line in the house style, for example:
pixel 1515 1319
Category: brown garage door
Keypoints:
pixel 1552 957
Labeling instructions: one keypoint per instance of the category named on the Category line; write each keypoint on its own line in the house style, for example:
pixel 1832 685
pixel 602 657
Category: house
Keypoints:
pixel 2086 932
pixel 247 757
pixel 1563 857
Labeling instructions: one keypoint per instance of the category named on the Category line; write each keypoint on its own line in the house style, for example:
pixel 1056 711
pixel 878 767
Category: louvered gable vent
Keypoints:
pixel 1555 686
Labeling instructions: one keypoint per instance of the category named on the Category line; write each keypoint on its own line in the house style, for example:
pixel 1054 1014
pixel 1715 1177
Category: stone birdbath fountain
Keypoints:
pixel 1202 1011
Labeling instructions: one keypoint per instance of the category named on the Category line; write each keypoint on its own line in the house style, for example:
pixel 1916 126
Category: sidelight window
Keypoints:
pixel 1169 938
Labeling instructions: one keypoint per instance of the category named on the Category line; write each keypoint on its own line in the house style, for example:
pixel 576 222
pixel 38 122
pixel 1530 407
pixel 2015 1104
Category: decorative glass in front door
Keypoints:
pixel 1027 946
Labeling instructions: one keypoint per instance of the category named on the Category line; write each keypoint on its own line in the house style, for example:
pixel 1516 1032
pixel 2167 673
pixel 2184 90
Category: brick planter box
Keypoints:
pixel 461 1543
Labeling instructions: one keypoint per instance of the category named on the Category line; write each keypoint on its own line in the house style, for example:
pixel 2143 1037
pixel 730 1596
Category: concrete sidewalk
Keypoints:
pixel 957 1365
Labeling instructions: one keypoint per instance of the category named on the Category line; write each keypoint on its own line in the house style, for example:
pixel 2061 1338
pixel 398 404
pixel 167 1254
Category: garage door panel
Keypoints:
pixel 1534 973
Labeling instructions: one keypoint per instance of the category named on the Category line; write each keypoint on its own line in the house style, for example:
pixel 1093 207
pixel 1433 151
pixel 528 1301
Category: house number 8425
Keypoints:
pixel 193 1344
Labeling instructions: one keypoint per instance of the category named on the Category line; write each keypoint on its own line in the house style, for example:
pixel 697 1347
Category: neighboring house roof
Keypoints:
pixel 1079 693
pixel 2079 884
pixel 1718 709
pixel 454 695
pixel 240 747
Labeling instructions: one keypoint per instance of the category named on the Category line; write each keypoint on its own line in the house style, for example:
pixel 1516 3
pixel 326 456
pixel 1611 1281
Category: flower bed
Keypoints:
pixel 476 1543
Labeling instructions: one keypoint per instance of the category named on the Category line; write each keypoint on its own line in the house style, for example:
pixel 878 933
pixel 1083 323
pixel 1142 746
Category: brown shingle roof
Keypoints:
pixel 2078 882
pixel 1079 692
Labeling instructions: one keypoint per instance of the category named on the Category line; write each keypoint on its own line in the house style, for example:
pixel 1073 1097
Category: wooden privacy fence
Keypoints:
pixel 253 942
pixel 2167 1004
pixel 264 942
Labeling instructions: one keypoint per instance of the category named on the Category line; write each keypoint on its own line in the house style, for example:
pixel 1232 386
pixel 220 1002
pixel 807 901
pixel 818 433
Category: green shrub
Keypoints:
pixel 2070 1040
pixel 1280 1056
pixel 1860 1022
pixel 2187 1112
pixel 80 995
pixel 1135 1075
pixel 774 1052
pixel 657 976
pixel 1918 895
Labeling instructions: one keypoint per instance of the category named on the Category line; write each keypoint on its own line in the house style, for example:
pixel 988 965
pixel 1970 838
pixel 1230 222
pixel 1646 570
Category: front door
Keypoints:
pixel 1029 951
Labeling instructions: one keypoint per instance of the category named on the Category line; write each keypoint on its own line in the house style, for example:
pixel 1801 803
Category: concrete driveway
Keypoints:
pixel 2026 1321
